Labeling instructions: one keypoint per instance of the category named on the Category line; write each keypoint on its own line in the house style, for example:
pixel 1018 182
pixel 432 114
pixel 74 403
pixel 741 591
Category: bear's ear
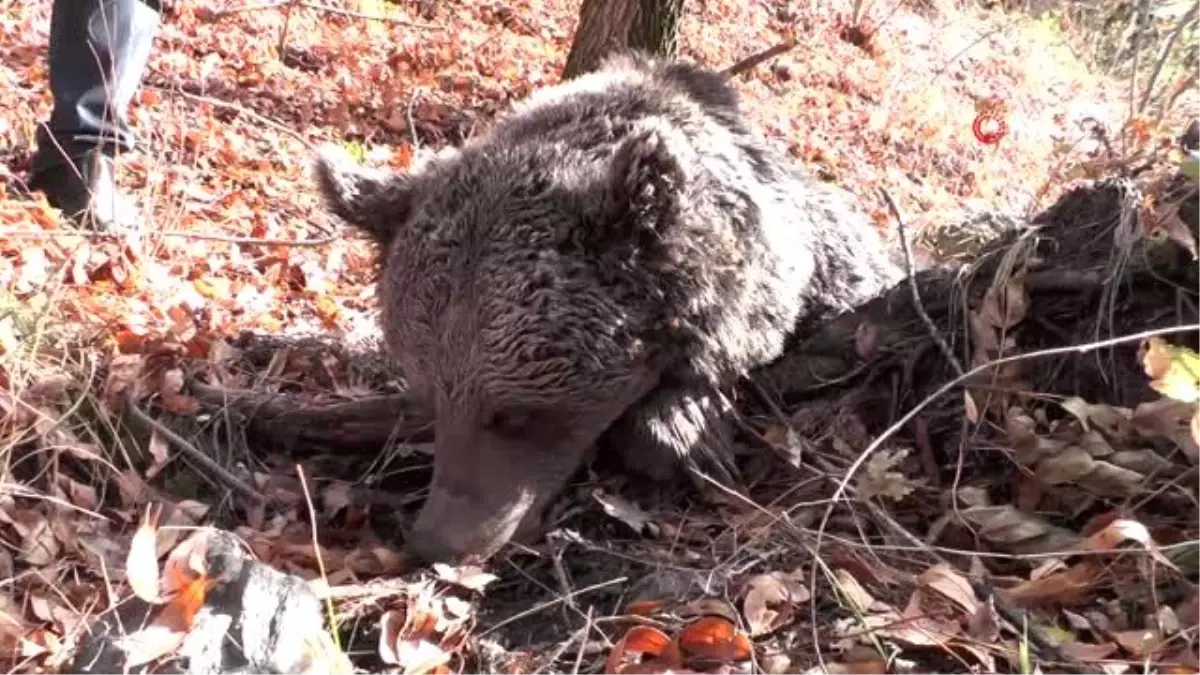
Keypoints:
pixel 373 201
pixel 646 182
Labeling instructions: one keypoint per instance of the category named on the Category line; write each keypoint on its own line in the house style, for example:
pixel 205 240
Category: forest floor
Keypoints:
pixel 238 95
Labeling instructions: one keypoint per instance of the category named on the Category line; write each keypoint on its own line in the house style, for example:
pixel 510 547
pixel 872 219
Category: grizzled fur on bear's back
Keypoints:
pixel 706 269
pixel 706 250
pixel 593 113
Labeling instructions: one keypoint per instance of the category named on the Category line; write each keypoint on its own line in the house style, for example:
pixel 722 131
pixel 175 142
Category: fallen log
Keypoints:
pixel 1081 271
pixel 292 423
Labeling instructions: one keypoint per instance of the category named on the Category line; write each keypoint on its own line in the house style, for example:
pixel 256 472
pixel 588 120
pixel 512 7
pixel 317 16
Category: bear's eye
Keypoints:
pixel 510 422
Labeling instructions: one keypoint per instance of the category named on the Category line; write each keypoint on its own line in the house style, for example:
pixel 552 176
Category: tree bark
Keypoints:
pixel 608 26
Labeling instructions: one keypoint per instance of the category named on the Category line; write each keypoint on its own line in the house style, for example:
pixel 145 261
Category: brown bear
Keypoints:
pixel 594 271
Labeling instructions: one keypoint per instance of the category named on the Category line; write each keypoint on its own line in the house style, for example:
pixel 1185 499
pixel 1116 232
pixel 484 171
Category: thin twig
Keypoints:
pixel 56 234
pixel 312 521
pixel 193 453
pixel 550 603
pixel 412 125
pixel 1187 18
pixel 910 273
pixel 319 241
pixel 240 109
pixel 369 17
pixel 583 636
pixel 253 7
pixel 1017 17
pixel 1140 11
pixel 287 22
pixel 249 241
pixel 754 60
pixel 326 9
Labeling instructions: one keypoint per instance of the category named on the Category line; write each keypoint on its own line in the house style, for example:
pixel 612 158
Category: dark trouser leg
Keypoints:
pixel 98 55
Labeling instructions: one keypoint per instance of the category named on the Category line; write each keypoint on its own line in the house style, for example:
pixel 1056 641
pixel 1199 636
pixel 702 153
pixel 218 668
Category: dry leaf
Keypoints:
pixel 852 591
pixel 390 626
pixel 1088 652
pixel 879 480
pixel 1119 531
pixel 39 544
pixel 644 607
pixel 470 577
pixel 1012 530
pixel 141 562
pixel 872 667
pixel 984 625
pixel 1169 419
pixel 419 656
pixel 866 340
pixel 954 586
pixel 969 408
pixel 1006 306
pixel 1138 643
pixel 625 511
pixel 1066 587
pixel 1174 371
pixel 770 601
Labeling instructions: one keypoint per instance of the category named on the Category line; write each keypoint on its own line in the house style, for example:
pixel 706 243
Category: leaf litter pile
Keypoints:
pixel 1042 515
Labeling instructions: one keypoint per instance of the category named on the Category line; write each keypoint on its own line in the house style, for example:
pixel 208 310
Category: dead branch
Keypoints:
pixel 291 422
pixel 192 453
pixel 249 241
pixel 911 280
pixel 238 108
pixel 274 4
pixel 177 234
pixel 752 61
pixel 1187 18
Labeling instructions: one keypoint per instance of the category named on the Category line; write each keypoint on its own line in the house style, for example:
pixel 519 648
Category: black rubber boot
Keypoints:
pixel 98 55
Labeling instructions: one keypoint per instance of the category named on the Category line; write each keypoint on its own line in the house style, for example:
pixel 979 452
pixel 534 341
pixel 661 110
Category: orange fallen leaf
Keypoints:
pixel 190 597
pixel 715 638
pixel 643 641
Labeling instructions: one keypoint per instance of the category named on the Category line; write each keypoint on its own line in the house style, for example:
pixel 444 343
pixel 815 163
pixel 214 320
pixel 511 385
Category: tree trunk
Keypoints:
pixel 608 26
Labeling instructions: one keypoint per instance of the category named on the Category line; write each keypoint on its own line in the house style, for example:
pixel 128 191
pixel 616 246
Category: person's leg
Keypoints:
pixel 98 55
